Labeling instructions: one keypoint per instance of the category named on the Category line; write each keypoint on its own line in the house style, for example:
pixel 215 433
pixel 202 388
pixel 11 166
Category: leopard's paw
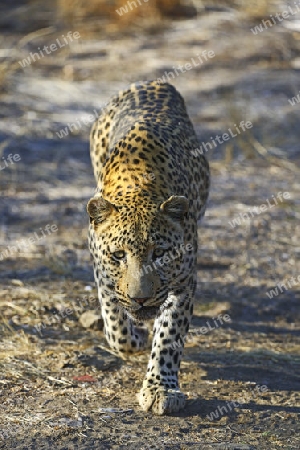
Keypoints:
pixel 161 400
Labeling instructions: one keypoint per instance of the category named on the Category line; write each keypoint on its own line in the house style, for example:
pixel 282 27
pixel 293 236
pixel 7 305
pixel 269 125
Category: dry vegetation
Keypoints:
pixel 60 386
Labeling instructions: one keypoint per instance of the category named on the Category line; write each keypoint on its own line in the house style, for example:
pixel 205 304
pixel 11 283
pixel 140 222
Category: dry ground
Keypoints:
pixel 60 386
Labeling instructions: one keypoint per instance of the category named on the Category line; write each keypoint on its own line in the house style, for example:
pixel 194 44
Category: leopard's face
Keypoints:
pixel 138 250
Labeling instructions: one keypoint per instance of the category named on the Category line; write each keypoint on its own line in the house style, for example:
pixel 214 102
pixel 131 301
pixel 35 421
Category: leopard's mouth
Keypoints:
pixel 143 313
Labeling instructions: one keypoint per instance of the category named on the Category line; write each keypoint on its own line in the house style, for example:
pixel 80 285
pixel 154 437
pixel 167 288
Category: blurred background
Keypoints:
pixel 60 62
pixel 251 77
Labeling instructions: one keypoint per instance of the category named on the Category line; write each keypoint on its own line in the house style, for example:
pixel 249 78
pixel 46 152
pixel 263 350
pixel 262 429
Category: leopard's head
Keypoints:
pixel 137 250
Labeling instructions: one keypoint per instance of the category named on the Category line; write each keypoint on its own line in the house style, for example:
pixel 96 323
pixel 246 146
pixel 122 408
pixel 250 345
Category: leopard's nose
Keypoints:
pixel 140 300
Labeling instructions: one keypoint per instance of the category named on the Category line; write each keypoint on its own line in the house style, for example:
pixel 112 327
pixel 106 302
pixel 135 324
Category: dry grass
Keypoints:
pixel 71 12
pixel 257 8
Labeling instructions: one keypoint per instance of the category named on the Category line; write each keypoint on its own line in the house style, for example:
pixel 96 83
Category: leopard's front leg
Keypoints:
pixel 160 391
pixel 121 333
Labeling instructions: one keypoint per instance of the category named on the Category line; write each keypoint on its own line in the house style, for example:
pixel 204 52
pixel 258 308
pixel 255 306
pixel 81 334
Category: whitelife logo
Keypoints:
pixel 294 100
pixel 279 17
pixel 86 120
pixel 256 210
pixel 217 322
pixel 9 160
pixel 48 49
pixel 221 410
pixel 205 55
pixel 124 9
pixel 221 139
pixel 25 243
pixel 166 259
pixel 283 286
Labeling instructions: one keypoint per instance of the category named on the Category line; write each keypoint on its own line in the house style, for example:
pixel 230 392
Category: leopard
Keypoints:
pixel 151 190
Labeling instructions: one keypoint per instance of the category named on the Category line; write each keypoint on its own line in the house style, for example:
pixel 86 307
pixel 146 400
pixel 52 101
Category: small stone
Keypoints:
pixel 89 318
pixel 17 282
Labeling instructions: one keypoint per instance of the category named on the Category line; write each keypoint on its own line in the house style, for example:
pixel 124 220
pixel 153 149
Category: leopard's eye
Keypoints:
pixel 158 252
pixel 119 254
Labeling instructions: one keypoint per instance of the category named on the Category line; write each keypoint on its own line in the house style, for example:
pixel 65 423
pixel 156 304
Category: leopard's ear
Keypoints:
pixel 99 209
pixel 175 207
